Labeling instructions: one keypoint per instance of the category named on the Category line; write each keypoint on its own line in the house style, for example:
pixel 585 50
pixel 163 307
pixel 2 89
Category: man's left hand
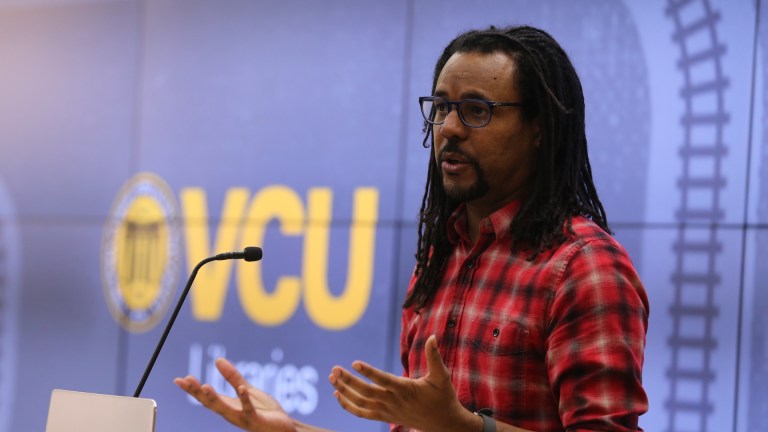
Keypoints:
pixel 428 403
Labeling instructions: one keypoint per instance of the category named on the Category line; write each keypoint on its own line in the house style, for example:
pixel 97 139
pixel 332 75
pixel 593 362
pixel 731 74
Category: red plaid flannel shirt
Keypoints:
pixel 548 345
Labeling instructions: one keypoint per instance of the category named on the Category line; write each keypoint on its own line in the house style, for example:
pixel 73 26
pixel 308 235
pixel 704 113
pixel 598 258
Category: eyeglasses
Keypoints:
pixel 474 113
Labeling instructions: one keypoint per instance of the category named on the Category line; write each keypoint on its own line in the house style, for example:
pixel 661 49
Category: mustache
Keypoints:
pixel 453 147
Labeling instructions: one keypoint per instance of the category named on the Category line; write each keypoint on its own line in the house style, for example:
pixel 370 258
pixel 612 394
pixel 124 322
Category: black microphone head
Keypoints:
pixel 252 253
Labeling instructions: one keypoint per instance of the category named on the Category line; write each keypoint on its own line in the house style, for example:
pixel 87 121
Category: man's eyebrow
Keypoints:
pixel 473 95
pixel 468 95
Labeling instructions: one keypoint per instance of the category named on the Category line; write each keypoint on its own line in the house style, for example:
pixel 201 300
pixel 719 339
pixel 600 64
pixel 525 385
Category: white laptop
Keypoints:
pixel 72 411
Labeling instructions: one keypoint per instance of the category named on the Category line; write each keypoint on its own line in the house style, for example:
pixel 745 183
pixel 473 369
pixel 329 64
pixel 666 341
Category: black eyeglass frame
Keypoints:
pixel 491 106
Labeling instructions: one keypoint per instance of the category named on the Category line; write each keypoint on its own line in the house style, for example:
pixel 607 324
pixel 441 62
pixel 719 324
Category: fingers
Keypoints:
pixel 358 409
pixel 435 365
pixel 355 395
pixel 205 394
pixel 230 373
pixel 190 385
pixel 209 398
pixel 383 379
pixel 345 382
pixel 248 411
pixel 186 382
pixel 371 400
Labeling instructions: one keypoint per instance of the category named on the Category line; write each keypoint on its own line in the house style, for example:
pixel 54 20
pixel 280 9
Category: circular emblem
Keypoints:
pixel 141 252
pixel 9 300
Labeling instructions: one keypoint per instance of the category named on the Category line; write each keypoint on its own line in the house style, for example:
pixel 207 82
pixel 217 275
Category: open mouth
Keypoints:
pixel 452 159
pixel 454 165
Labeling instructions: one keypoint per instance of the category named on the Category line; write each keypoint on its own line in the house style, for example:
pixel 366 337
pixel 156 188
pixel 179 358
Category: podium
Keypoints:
pixel 72 411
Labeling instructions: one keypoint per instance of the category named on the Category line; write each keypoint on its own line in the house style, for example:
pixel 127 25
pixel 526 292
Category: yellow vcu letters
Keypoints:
pixel 240 227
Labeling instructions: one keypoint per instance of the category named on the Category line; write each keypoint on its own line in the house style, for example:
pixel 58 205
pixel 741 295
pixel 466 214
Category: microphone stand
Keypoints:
pixel 249 254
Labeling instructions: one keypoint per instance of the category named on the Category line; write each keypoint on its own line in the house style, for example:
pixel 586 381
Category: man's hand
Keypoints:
pixel 428 403
pixel 252 410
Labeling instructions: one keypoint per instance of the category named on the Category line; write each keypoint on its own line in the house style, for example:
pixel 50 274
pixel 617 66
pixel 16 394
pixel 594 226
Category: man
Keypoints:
pixel 523 311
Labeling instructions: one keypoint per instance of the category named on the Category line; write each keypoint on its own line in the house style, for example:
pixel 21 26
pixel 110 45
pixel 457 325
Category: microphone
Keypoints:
pixel 249 254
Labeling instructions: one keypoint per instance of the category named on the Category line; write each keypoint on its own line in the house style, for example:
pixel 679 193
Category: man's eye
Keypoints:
pixel 477 110
pixel 441 107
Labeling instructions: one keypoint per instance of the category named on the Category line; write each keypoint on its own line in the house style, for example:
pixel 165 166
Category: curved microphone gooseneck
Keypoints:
pixel 250 253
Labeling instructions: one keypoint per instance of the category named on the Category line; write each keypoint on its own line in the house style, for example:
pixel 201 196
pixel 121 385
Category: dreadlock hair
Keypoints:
pixel 561 185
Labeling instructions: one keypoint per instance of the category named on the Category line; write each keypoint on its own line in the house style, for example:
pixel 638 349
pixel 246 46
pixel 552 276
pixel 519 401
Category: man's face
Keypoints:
pixel 486 166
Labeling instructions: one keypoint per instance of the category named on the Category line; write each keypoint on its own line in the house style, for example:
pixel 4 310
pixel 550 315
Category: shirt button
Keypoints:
pixel 470 265
pixel 451 322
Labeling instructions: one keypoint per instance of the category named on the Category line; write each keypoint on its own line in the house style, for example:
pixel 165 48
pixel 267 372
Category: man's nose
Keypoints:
pixel 453 127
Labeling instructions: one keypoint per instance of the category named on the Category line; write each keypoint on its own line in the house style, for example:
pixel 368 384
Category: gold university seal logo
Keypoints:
pixel 141 252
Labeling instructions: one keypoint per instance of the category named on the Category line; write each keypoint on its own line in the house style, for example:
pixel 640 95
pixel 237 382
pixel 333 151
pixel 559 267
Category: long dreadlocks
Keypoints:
pixel 561 186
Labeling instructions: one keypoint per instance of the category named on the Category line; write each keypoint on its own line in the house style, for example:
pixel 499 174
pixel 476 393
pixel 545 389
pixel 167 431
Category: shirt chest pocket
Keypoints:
pixel 497 337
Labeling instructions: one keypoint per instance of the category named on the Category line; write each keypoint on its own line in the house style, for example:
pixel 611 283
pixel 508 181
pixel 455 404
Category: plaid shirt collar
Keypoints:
pixel 497 224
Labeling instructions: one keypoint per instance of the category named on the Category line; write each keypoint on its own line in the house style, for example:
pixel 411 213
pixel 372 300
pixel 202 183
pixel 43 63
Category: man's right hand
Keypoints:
pixel 252 410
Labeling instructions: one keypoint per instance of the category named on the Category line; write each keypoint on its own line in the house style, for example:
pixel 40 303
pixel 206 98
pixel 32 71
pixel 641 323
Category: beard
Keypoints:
pixel 461 194
pixel 471 192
